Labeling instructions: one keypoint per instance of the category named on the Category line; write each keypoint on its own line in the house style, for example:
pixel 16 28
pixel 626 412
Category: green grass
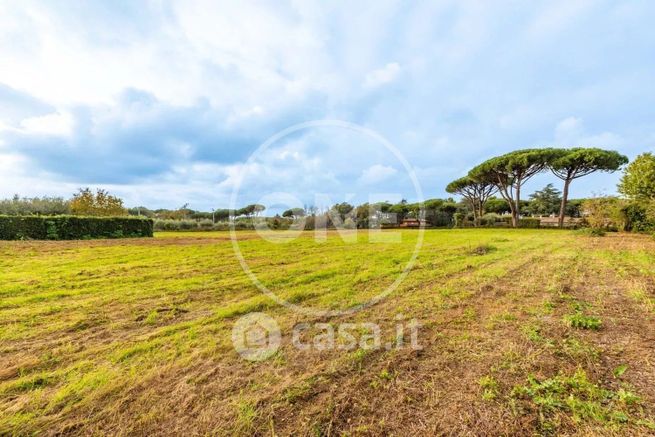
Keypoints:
pixel 111 334
pixel 577 395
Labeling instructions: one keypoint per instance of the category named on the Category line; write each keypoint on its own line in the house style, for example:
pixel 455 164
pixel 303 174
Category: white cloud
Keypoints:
pixel 60 124
pixel 219 77
pixel 376 173
pixel 571 132
pixel 383 75
pixel 568 129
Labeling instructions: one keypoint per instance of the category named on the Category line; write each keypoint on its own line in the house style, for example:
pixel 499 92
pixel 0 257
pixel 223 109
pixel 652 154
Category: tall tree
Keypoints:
pixel 638 181
pixel 475 192
pixel 570 164
pixel 510 171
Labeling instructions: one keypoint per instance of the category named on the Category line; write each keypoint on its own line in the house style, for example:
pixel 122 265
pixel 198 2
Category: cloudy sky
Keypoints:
pixel 164 103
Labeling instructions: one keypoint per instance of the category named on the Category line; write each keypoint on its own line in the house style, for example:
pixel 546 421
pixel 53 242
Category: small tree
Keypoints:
pixel 570 164
pixel 475 192
pixel 343 209
pixel 638 181
pixel 510 171
pixel 101 204
pixel 294 213
pixel 545 201
pixel 250 210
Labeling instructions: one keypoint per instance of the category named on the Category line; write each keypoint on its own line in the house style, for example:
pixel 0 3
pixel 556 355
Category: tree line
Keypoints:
pixel 506 175
pixel 103 204
pixel 83 203
pixel 493 187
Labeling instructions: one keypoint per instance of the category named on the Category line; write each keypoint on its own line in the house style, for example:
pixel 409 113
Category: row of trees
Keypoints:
pixel 84 203
pixel 507 174
pixel 503 176
pixel 103 204
pixel 185 213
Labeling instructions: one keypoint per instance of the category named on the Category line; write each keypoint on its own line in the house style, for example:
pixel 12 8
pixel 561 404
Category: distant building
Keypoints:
pixel 553 222
pixel 413 223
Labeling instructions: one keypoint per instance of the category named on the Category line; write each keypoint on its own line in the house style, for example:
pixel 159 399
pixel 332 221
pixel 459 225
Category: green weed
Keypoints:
pixel 577 396
pixel 489 387
pixel 581 321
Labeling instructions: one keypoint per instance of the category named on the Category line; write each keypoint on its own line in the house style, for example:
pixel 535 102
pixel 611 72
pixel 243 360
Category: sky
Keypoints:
pixel 167 103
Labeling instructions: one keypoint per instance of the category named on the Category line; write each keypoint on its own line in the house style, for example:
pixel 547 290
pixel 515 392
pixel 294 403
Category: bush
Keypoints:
pixel 529 223
pixel 459 219
pixel 206 224
pixel 176 225
pixel 187 225
pixel 639 216
pixel 72 227
pixel 490 219
pixel 591 232
pixel 605 213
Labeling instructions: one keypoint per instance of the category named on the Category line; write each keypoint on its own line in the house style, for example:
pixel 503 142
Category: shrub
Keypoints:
pixel 167 225
pixel 221 226
pixel 459 219
pixel 639 216
pixel 72 227
pixel 187 225
pixel 176 225
pixel 490 219
pixel 605 212
pixel 591 232
pixel 206 224
pixel 529 223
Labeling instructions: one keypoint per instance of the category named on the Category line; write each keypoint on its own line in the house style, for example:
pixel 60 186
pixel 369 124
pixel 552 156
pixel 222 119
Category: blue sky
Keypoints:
pixel 164 102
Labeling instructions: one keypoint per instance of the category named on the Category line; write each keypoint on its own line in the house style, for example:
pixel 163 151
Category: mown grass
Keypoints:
pixel 88 328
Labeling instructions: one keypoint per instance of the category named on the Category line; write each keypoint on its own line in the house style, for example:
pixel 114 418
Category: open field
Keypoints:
pixel 523 332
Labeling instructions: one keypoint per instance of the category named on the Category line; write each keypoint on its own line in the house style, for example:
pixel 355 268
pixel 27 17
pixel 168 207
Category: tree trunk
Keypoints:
pixel 475 218
pixel 517 206
pixel 565 197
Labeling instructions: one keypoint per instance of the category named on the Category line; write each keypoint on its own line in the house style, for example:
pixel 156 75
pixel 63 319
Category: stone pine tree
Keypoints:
pixel 510 171
pixel 475 192
pixel 570 164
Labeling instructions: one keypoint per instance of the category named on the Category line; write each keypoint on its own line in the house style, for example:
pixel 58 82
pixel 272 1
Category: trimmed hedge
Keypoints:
pixel 525 222
pixel 66 227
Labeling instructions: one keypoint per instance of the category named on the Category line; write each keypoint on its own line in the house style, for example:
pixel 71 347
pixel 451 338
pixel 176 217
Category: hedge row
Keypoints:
pixel 65 227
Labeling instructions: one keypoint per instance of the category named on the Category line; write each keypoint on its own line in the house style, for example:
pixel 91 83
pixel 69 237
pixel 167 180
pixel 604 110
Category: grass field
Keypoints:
pixel 523 332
